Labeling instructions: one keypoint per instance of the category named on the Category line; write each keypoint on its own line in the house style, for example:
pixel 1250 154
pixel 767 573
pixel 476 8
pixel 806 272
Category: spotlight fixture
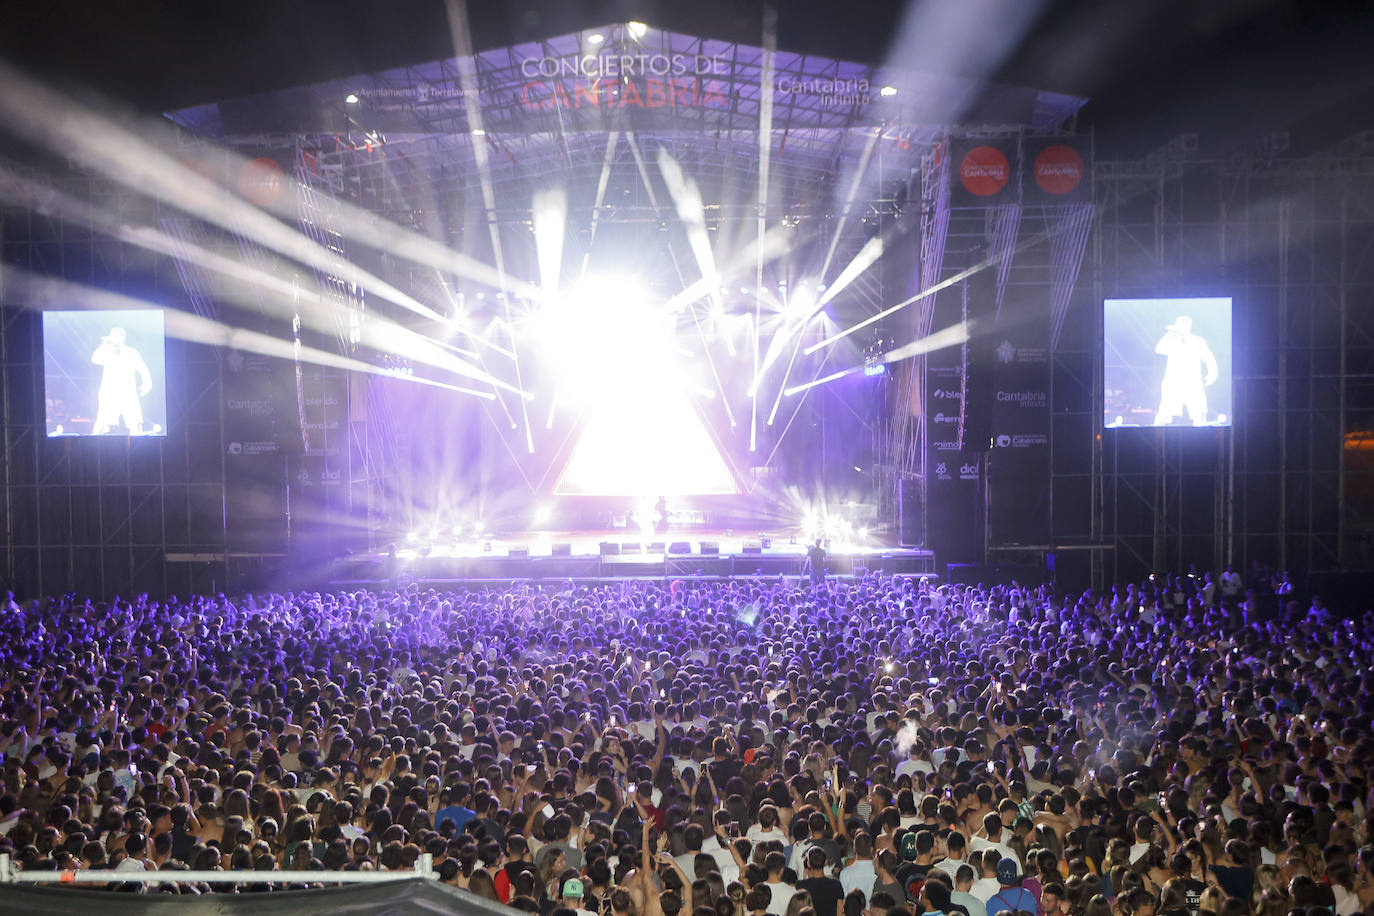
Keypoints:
pixel 351 98
pixel 636 29
pixel 478 132
pixel 595 38
pixel 887 92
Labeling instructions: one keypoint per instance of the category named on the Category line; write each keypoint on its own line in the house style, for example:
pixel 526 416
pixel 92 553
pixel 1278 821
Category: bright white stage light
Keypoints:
pixel 542 514
pixel 595 38
pixel 602 334
pixel 614 356
pixel 637 30
pixel 351 98
pixel 887 92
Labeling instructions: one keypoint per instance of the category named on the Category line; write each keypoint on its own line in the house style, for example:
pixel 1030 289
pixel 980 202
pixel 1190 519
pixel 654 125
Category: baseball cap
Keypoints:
pixel 908 847
pixel 572 888
pixel 1008 872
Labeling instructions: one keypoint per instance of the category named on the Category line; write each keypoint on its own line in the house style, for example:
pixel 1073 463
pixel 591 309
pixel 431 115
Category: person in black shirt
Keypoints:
pixel 1235 878
pixel 919 849
pixel 1189 887
pixel 815 562
pixel 725 766
pixel 1173 899
pixel 826 891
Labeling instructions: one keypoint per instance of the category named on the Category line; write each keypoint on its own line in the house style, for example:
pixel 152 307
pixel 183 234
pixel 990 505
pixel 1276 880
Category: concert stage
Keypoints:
pixel 593 556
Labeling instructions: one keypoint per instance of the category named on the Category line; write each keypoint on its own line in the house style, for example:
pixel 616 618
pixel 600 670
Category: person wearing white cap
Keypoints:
pixel 1184 385
pixel 124 379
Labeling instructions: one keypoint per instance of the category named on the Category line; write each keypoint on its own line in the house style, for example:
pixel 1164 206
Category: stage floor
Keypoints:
pixel 622 554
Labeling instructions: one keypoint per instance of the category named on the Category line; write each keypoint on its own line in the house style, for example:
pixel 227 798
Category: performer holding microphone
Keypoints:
pixel 124 380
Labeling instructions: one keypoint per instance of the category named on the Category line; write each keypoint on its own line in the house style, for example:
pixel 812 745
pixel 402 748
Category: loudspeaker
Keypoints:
pixel 562 550
pixel 655 547
pixel 753 548
pixel 680 547
pixel 909 532
pixel 631 548
pixel 519 551
pixel 978 399
pixel 711 549
pixel 610 549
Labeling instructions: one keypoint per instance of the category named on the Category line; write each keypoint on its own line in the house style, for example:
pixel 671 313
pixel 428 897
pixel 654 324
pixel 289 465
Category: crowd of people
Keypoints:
pixel 876 747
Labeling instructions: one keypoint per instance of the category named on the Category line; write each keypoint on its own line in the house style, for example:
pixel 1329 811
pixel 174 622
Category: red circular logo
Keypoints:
pixel 262 181
pixel 1058 169
pixel 984 171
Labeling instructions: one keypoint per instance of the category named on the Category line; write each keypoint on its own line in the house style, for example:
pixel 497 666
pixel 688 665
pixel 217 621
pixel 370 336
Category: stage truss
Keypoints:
pixel 455 149
pixel 1291 483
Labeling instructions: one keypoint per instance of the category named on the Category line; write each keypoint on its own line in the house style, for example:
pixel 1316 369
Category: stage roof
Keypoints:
pixel 549 106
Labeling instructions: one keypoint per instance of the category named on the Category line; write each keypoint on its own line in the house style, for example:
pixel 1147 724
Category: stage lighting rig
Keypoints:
pixel 873 356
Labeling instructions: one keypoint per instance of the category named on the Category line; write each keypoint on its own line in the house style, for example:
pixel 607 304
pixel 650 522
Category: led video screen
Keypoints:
pixel 105 372
pixel 1167 362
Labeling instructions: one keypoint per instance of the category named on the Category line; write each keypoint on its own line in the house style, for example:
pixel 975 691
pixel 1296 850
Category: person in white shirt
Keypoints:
pixel 860 874
pixel 136 854
pixel 716 846
pixel 963 896
pixel 768 827
pixel 985 865
pixel 1143 828
pixel 992 828
pixel 956 848
pixel 782 891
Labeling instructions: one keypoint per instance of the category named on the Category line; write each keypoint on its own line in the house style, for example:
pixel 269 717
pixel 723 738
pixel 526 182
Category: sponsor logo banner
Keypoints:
pixel 1058 170
pixel 1019 440
pixel 258 405
pixel 1018 465
pixel 1009 353
pixel 1024 399
pixel 983 173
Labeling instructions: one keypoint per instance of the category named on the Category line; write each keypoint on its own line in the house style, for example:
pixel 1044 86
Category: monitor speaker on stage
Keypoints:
pixel 710 549
pixel 678 547
pixel 609 549
pixel 631 547
pixel 562 550
pixel 656 547
pixel 519 551
pixel 909 513
pixel 753 549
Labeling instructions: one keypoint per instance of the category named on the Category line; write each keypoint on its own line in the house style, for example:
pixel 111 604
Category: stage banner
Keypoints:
pixel 1018 468
pixel 259 405
pixel 984 173
pixel 1057 170
pixel 952 473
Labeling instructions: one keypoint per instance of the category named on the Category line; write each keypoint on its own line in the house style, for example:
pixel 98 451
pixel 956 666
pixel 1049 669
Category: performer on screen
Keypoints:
pixel 124 380
pixel 1190 369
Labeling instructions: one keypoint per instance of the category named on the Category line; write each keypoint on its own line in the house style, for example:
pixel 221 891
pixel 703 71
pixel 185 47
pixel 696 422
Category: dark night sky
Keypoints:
pixel 1233 70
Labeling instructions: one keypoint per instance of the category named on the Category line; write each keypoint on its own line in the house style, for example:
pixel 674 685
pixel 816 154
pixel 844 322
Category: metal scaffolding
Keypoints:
pixel 1292 241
